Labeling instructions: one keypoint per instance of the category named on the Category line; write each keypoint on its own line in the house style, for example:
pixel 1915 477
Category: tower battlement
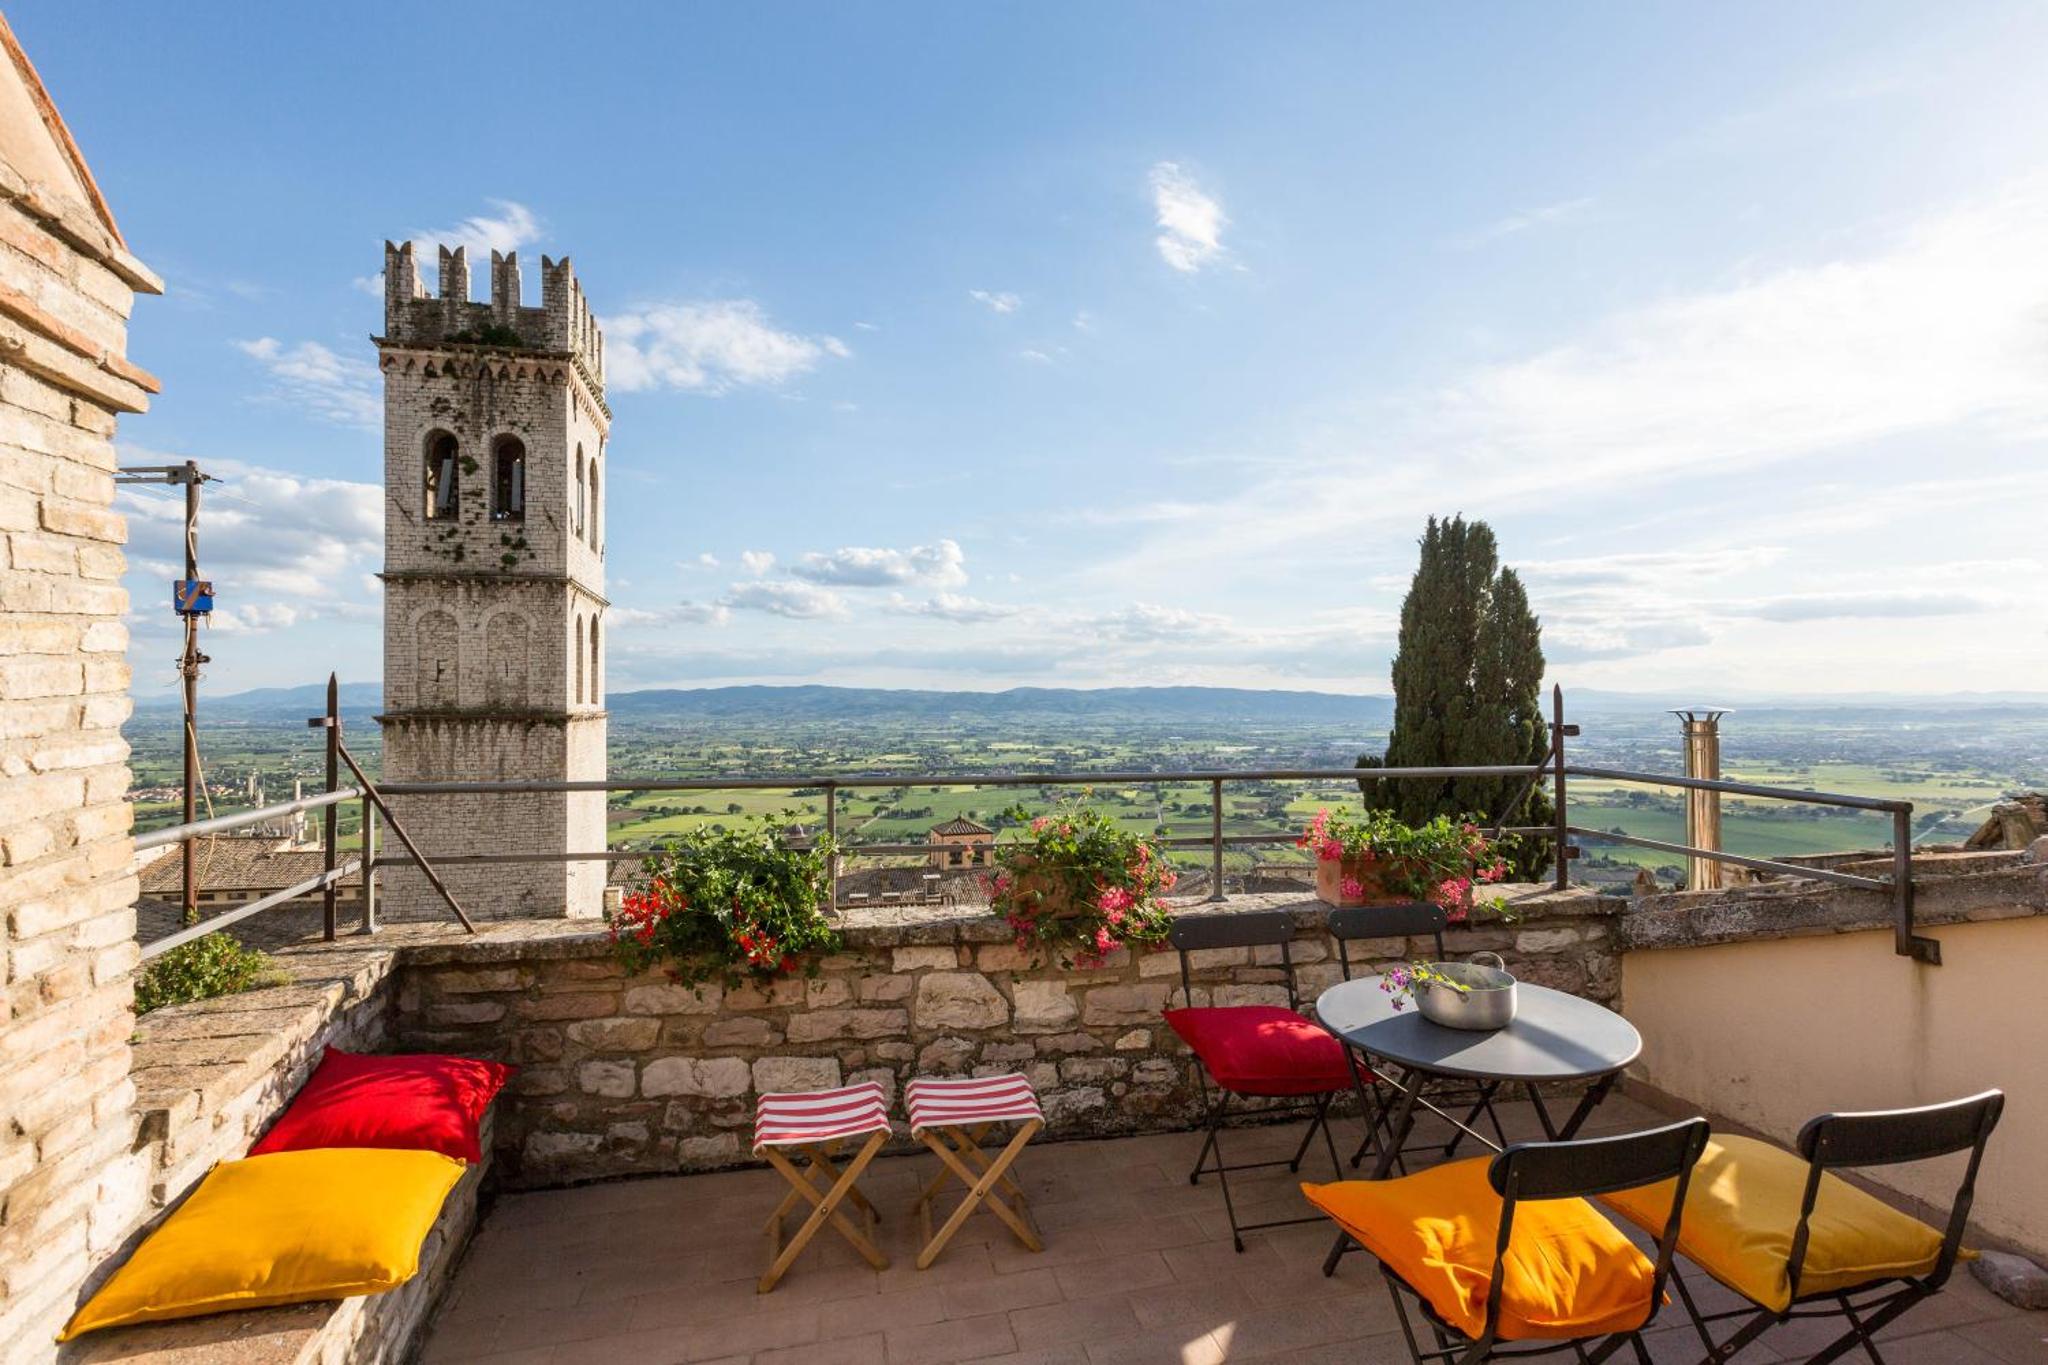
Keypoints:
pixel 562 323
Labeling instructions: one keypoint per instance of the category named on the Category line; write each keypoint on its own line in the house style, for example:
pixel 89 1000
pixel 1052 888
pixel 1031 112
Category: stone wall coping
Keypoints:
pixel 1791 909
pixel 903 926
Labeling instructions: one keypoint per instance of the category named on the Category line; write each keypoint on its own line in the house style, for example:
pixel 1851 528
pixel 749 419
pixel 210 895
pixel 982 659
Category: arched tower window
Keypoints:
pixel 596 511
pixel 443 476
pixel 577 694
pixel 508 480
pixel 596 656
pixel 576 522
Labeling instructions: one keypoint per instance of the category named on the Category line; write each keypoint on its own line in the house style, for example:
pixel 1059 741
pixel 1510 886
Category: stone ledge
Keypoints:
pixel 1788 909
pixel 211 1075
pixel 899 926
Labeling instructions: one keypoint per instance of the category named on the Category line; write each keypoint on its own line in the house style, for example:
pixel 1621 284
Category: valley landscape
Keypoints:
pixel 1952 757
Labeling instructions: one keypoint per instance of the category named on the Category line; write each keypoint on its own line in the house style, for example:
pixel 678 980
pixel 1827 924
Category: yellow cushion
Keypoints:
pixel 1568 1272
pixel 285 1228
pixel 1742 1209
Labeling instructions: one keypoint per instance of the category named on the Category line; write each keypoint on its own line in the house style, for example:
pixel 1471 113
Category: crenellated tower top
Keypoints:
pixel 563 324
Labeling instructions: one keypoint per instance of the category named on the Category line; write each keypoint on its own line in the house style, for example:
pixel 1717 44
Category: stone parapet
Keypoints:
pixel 634 1074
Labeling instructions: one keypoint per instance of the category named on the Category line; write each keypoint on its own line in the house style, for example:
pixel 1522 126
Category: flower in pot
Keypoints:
pixel 730 905
pixel 1079 886
pixel 1372 858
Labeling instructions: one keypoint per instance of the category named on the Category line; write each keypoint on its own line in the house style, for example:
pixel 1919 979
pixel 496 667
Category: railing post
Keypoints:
pixel 330 816
pixel 1562 838
pixel 832 844
pixel 1905 941
pixel 369 873
pixel 1216 839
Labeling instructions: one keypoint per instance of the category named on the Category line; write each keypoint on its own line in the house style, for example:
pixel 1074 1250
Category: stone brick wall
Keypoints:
pixel 70 1185
pixel 634 1074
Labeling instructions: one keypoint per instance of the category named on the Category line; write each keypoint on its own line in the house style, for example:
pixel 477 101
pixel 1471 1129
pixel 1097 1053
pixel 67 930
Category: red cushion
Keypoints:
pixel 1263 1049
pixel 419 1102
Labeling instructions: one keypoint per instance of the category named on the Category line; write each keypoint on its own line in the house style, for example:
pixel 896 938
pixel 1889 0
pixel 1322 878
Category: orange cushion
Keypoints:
pixel 1742 1209
pixel 1568 1272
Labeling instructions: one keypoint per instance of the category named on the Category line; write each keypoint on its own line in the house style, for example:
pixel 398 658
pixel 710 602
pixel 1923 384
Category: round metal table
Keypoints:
pixel 1554 1038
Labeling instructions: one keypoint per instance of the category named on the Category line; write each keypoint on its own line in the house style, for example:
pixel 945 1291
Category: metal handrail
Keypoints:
pixel 1554 766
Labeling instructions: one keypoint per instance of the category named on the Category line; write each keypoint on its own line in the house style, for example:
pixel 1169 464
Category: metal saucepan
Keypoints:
pixel 1486 1002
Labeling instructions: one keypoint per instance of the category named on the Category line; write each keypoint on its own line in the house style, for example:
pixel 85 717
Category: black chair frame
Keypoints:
pixel 1888 1137
pixel 1252 929
pixel 1583 1168
pixel 1413 919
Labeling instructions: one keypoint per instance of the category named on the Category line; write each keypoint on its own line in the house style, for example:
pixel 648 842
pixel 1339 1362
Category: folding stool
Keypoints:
pixel 814 1125
pixel 952 1117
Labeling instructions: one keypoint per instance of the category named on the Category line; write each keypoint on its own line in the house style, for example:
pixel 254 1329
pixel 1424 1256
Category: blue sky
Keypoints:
pixel 978 345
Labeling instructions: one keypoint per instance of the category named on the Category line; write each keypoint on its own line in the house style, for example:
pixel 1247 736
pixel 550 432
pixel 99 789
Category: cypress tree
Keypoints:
pixel 1468 690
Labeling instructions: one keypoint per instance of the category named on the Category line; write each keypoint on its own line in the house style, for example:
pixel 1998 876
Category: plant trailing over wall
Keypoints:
pixel 1080 886
pixel 1468 690
pixel 200 970
pixel 1439 860
pixel 730 905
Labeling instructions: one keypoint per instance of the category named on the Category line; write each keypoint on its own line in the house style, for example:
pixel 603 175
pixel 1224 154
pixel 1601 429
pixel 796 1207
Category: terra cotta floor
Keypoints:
pixel 1138 1267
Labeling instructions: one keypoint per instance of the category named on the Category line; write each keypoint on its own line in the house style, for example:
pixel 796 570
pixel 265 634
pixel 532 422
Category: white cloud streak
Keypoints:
pixel 786 598
pixel 710 347
pixel 1190 219
pixel 941 564
pixel 1001 301
pixel 316 380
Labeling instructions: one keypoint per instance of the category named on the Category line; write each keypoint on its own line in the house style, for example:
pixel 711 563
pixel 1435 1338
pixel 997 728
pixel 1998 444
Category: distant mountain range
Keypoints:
pixel 1153 705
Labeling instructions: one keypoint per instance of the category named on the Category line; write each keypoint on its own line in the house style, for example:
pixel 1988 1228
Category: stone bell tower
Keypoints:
pixel 494 468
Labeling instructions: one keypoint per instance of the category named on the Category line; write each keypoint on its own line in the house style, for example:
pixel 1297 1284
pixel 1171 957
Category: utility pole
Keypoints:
pixel 192 598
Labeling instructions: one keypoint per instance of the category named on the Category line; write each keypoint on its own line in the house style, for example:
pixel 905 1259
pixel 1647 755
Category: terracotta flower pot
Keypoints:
pixel 1379 880
pixel 1044 893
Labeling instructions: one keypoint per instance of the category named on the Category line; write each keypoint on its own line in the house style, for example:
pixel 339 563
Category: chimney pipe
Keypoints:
pixel 1702 729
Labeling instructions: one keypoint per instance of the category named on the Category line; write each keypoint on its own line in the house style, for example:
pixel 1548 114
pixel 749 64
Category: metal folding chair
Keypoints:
pixel 814 1126
pixel 1255 1051
pixel 952 1117
pixel 1543 1171
pixel 1414 919
pixel 1846 1141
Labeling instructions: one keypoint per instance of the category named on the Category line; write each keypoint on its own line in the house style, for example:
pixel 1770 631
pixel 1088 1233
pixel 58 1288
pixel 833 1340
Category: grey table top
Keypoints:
pixel 1554 1036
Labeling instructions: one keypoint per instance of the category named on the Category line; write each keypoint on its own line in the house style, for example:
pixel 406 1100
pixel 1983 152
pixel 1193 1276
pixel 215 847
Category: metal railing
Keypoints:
pixel 1554 768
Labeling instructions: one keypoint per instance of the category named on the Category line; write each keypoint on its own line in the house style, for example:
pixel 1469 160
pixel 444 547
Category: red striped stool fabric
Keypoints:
pixel 802 1116
pixel 946 1103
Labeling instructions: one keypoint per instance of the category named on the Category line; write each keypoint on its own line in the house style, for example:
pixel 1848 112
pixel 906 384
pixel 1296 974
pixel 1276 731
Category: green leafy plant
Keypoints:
pixel 730 905
pixel 1080 886
pixel 200 970
pixel 1439 860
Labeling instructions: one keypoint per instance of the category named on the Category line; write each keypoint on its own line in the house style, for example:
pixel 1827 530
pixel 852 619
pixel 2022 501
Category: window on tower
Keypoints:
pixel 444 474
pixel 576 520
pixel 508 480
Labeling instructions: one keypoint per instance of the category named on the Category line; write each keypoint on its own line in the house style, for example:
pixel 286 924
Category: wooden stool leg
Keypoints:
pixel 825 1207
pixel 978 1187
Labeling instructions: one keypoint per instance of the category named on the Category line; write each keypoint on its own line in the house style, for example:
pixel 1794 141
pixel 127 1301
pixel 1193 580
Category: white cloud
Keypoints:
pixel 683 613
pixel 709 347
pixel 1001 301
pixel 950 606
pixel 1562 211
pixel 510 226
pixel 1828 606
pixel 706 560
pixel 258 618
pixel 941 564
pixel 757 562
pixel 260 531
pixel 314 379
pixel 786 598
pixel 1144 622
pixel 1938 334
pixel 1190 220
pixel 507 228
